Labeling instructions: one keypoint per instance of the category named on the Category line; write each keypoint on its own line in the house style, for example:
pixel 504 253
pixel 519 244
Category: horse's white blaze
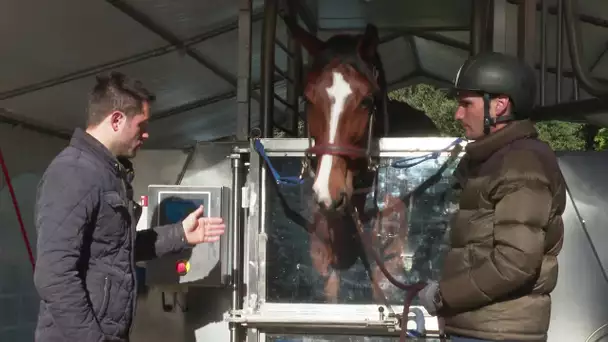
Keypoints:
pixel 338 93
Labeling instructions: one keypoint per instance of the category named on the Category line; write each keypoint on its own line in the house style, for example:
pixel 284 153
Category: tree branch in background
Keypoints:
pixel 435 103
pixel 560 135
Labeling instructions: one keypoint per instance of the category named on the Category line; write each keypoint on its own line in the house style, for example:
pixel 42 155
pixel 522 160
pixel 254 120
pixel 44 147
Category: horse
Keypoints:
pixel 345 93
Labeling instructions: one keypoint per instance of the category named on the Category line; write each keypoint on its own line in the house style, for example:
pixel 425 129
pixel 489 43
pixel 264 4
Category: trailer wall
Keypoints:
pixel 27 154
pixel 203 307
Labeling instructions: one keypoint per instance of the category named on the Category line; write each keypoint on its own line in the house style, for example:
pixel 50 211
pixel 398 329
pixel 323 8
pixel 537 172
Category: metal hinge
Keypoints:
pixel 245 197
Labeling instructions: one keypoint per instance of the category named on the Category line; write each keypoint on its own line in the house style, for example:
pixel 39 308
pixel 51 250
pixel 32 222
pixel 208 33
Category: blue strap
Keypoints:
pixel 278 179
pixel 414 333
pixel 398 164
pixel 413 161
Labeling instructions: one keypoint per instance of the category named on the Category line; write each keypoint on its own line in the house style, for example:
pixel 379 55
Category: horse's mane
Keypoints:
pixel 407 121
pixel 342 48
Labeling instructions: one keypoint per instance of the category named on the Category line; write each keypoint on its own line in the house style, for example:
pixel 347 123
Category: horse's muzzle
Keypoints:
pixel 336 205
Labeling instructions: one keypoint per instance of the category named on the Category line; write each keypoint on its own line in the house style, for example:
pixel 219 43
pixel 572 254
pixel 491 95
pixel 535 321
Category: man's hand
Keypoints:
pixel 202 229
pixel 427 297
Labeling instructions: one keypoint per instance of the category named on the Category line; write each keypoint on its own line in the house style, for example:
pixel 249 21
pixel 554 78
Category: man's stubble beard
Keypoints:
pixel 127 151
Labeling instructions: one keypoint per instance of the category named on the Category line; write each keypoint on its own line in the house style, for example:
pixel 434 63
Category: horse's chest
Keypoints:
pixel 336 232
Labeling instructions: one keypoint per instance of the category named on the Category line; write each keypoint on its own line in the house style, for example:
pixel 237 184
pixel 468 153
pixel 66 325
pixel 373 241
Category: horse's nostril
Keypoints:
pixel 322 204
pixel 340 200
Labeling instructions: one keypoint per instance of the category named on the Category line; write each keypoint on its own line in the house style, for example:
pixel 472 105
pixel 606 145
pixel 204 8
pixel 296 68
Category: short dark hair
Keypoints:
pixel 116 92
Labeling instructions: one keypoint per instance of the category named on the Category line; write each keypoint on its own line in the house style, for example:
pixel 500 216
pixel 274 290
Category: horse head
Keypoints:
pixel 342 90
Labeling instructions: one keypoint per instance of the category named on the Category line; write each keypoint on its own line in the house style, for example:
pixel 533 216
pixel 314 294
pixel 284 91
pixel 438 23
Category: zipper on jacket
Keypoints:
pixel 104 300
pixel 133 236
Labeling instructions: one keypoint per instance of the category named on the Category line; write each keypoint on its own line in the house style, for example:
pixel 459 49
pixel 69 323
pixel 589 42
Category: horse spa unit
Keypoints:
pixel 260 282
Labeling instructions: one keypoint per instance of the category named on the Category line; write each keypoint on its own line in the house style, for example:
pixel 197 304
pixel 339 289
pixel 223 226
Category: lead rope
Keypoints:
pixel 411 290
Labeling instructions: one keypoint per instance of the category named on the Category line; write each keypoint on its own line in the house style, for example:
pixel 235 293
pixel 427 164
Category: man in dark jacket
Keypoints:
pixel 86 218
pixel 506 236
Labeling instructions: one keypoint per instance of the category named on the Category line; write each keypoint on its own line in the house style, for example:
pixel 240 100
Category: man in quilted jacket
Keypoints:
pixel 505 238
pixel 86 222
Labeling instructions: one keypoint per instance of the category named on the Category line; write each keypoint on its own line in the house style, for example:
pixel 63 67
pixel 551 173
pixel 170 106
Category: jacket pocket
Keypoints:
pixel 105 300
pixel 118 216
pixel 115 201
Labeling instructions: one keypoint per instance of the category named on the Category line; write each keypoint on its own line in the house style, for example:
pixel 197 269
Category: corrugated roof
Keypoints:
pixel 52 50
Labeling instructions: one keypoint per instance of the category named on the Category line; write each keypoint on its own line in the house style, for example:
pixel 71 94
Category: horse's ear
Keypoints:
pixel 368 45
pixel 311 43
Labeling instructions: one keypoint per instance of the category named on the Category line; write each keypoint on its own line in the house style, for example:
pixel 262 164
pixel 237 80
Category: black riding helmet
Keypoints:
pixel 492 74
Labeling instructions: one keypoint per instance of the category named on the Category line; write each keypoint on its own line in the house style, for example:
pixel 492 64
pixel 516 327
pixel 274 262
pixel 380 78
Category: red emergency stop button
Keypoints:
pixel 183 266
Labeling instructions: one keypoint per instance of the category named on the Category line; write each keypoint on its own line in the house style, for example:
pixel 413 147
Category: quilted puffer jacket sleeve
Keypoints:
pixel 158 241
pixel 64 209
pixel 522 202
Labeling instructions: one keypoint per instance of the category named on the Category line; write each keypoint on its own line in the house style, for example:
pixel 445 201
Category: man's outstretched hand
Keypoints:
pixel 200 229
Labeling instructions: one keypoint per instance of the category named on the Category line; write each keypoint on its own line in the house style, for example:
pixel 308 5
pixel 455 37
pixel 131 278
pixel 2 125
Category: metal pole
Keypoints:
pixel 499 21
pixel 543 51
pixel 583 18
pixel 235 254
pixel 243 120
pixel 170 37
pixel 526 32
pixel 573 34
pixel 294 72
pixel 312 31
pixel 187 163
pixel 267 69
pixel 477 26
pixel 4 119
pixel 559 62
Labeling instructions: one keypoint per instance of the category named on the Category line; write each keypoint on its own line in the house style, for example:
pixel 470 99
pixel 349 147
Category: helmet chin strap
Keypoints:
pixel 488 121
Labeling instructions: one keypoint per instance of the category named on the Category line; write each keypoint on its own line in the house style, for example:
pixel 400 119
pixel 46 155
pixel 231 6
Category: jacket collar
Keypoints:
pixel 482 149
pixel 86 142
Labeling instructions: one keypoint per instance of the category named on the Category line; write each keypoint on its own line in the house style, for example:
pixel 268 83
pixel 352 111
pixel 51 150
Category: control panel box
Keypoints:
pixel 204 264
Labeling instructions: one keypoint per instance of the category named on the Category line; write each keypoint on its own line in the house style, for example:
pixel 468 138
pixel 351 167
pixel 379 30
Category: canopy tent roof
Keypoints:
pixel 53 50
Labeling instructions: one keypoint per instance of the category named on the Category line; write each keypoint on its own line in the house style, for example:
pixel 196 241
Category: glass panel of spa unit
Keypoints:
pixel 334 338
pixel 412 253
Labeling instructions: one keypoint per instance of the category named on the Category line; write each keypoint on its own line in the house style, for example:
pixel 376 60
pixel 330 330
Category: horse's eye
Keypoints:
pixel 367 102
